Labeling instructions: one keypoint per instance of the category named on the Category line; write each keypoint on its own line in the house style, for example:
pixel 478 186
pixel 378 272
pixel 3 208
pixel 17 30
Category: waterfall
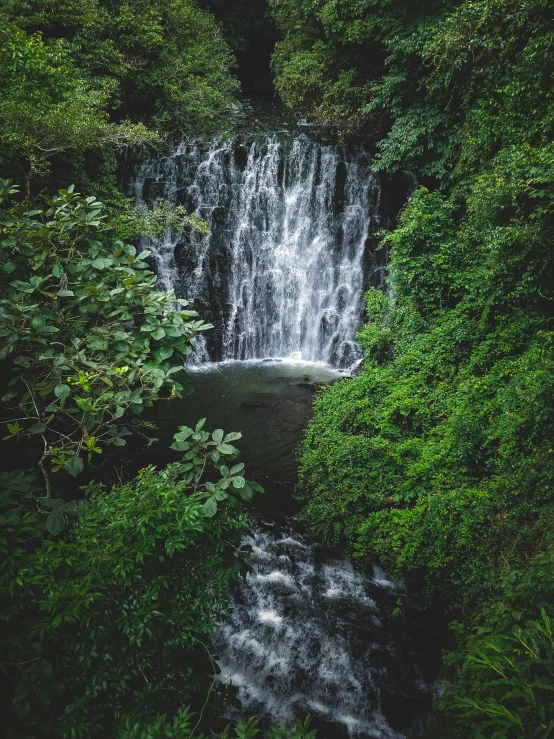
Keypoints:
pixel 310 635
pixel 292 221
pixel 291 218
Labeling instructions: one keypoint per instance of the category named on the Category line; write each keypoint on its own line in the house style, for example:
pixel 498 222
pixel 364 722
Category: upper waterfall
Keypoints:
pixel 283 271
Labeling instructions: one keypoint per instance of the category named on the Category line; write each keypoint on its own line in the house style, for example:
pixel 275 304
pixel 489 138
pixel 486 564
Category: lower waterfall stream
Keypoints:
pixel 309 635
pixel 281 276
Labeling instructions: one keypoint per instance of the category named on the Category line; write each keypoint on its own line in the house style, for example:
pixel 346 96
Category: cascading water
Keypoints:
pixel 282 275
pixel 309 635
pixel 282 272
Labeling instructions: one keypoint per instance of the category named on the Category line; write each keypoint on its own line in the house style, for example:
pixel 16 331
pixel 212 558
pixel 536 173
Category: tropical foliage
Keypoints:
pixel 162 63
pixel 108 592
pixel 86 334
pixel 86 85
pixel 437 458
pixel 110 620
pixel 107 595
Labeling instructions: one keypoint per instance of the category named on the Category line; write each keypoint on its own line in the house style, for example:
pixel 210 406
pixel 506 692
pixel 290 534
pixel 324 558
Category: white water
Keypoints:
pixel 308 636
pixel 283 269
pixel 282 275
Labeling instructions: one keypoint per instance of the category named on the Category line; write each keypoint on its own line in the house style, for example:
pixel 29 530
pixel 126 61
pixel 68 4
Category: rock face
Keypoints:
pixel 310 635
pixel 292 248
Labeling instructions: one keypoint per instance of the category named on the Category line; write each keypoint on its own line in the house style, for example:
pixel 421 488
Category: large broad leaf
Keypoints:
pixel 23 287
pixel 55 522
pixel 62 391
pixel 246 493
pixel 163 353
pixel 218 435
pixel 38 322
pixel 210 507
pixel 74 465
pixel 21 691
pixel 36 428
pixel 183 433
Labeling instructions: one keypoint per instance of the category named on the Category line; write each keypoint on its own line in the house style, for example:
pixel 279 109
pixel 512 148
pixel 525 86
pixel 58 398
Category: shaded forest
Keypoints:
pixel 435 460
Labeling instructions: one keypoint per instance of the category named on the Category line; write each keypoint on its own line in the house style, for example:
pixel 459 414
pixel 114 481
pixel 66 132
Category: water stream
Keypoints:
pixel 292 219
pixel 310 635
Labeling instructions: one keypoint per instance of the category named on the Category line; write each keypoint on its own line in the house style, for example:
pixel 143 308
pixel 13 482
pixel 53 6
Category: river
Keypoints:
pixel 293 217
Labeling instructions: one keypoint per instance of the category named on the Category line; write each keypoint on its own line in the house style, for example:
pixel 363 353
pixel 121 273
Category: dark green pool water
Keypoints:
pixel 269 402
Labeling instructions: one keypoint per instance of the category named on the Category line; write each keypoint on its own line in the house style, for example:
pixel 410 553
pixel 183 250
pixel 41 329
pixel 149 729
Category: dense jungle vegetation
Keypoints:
pixel 437 459
pixel 111 581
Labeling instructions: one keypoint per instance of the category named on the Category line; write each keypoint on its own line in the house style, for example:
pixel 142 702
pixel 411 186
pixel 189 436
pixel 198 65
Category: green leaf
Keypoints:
pixel 21 691
pixel 23 287
pixel 52 688
pixel 101 263
pixel 36 428
pixel 218 435
pixel 233 436
pixel 226 449
pixel 62 391
pixel 210 507
pixel 38 322
pixel 246 493
pixel 183 433
pixel 239 482
pixel 163 353
pixel 55 522
pixel 180 446
pixel 200 424
pixel 74 466
pixel 51 502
